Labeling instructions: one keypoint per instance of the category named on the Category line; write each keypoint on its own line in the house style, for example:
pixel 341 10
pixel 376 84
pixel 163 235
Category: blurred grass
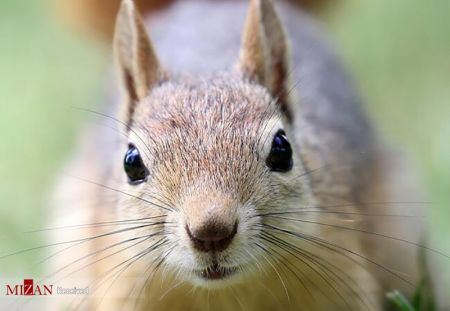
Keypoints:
pixel 43 73
pixel 399 52
pixel 400 301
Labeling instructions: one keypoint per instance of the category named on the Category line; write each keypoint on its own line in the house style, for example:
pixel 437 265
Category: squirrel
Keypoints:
pixel 240 172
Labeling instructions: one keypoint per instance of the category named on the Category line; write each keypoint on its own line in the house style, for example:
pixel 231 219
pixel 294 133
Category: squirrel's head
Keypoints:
pixel 207 158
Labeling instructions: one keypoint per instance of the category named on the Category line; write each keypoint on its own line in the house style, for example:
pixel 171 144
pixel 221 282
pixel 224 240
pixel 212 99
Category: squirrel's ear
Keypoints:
pixel 136 58
pixel 264 55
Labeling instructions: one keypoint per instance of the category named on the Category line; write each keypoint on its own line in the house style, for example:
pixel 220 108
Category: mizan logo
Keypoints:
pixel 29 289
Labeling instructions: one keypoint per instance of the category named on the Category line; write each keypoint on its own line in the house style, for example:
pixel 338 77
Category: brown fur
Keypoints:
pixel 204 140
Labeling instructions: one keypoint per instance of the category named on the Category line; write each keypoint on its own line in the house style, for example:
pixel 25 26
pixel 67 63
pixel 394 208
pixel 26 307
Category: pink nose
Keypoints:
pixel 212 237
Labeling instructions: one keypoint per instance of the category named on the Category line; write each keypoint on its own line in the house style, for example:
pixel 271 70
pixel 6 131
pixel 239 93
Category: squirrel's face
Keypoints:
pixel 206 160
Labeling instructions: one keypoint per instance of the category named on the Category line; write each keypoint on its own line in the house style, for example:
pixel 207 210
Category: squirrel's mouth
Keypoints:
pixel 216 272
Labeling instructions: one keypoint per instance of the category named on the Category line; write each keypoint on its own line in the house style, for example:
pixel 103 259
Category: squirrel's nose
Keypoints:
pixel 212 236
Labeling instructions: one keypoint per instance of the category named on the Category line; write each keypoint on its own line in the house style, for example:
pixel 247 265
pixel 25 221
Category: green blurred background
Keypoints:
pixel 398 50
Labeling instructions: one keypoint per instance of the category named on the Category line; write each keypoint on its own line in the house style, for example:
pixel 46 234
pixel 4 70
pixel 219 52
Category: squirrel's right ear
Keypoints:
pixel 136 58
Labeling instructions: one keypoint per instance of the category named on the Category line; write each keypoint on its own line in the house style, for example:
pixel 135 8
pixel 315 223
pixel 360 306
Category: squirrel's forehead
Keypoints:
pixel 205 114
pixel 225 124
pixel 222 110
pixel 208 131
pixel 217 96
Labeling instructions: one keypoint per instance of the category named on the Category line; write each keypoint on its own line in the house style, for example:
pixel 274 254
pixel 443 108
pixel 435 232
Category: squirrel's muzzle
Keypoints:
pixel 212 237
pixel 211 221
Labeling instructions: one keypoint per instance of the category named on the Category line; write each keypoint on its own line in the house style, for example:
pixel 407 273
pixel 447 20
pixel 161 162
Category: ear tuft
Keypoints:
pixel 135 55
pixel 264 55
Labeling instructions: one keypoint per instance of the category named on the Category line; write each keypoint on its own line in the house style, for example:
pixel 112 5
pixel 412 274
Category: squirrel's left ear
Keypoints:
pixel 264 55
pixel 137 61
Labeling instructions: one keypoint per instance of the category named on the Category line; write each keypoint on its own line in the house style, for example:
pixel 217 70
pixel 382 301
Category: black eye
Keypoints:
pixel 134 167
pixel 280 157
